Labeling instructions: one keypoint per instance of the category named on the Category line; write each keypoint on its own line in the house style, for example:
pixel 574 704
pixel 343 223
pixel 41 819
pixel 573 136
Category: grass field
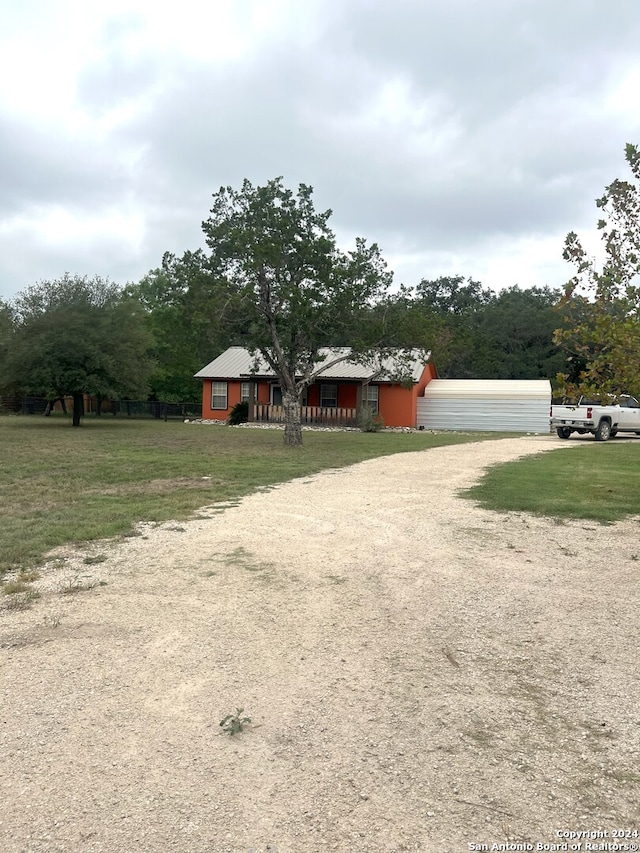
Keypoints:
pixel 596 481
pixel 60 485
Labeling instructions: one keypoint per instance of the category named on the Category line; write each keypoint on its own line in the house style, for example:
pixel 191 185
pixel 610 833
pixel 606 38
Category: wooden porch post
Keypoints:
pixel 252 401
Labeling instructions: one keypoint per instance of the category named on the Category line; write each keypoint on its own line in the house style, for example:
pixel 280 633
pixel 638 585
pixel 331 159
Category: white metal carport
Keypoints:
pixel 493 405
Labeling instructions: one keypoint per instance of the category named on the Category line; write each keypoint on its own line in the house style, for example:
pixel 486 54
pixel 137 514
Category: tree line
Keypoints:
pixel 274 280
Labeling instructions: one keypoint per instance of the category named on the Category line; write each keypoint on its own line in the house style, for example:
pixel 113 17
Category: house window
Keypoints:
pixel 329 396
pixel 244 392
pixel 219 395
pixel 276 396
pixel 371 397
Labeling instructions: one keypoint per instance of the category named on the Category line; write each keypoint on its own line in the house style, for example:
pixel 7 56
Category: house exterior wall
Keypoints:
pixel 347 396
pixel 428 374
pixel 396 405
pixel 234 388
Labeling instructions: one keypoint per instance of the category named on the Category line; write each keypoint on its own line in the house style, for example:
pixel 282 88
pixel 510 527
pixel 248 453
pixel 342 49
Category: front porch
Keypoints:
pixel 329 416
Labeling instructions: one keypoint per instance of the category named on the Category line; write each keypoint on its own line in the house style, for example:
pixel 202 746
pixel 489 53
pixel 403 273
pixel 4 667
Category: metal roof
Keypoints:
pixel 231 364
pixel 500 389
pixel 238 363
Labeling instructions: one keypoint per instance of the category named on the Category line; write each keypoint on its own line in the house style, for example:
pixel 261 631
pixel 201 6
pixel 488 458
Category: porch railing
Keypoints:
pixel 312 415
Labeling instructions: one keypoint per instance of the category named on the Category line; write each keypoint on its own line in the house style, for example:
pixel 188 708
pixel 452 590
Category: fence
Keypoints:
pixel 107 408
pixel 318 415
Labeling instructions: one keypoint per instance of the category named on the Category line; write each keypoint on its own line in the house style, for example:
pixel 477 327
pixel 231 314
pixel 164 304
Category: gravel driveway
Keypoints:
pixel 422 675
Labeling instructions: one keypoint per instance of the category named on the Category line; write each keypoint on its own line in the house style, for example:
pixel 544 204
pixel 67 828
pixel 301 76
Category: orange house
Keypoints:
pixel 334 398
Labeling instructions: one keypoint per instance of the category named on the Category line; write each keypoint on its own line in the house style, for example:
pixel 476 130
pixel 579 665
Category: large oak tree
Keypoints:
pixel 77 336
pixel 291 290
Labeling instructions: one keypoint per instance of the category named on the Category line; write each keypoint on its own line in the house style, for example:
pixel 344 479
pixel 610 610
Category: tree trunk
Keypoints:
pixel 51 406
pixel 292 424
pixel 99 399
pixel 78 408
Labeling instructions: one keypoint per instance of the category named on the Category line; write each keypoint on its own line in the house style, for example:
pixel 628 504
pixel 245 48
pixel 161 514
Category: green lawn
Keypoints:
pixel 61 485
pixel 596 481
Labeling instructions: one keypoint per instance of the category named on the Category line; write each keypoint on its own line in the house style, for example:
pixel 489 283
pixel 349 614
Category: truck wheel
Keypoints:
pixel 563 432
pixel 603 432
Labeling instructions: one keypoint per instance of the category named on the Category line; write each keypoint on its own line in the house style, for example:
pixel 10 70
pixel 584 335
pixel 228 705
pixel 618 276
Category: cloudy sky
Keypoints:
pixel 464 136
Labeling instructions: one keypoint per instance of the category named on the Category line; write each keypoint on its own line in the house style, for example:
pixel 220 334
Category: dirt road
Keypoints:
pixel 421 675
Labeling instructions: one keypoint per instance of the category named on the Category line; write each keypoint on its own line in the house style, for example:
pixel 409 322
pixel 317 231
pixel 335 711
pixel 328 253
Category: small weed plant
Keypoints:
pixel 28 575
pixel 23 601
pixel 81 584
pixel 232 724
pixel 14 587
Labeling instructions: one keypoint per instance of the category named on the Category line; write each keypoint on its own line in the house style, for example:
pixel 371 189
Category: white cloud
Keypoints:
pixel 55 226
pixel 526 262
pixel 463 137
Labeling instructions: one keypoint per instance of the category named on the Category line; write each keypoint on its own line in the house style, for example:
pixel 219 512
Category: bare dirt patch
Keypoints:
pixel 421 675
pixel 158 486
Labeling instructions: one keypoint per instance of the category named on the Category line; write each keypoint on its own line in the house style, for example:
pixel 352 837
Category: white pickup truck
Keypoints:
pixel 602 421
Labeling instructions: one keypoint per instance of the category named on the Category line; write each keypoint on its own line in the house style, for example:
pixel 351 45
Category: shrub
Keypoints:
pixel 369 421
pixel 239 414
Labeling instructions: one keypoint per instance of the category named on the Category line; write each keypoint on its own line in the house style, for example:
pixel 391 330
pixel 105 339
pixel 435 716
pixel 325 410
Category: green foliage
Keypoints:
pixel 450 295
pixel 239 414
pixel 184 310
pixel 600 331
pixel 7 321
pixel 74 336
pixel 233 724
pixel 477 334
pixel 518 326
